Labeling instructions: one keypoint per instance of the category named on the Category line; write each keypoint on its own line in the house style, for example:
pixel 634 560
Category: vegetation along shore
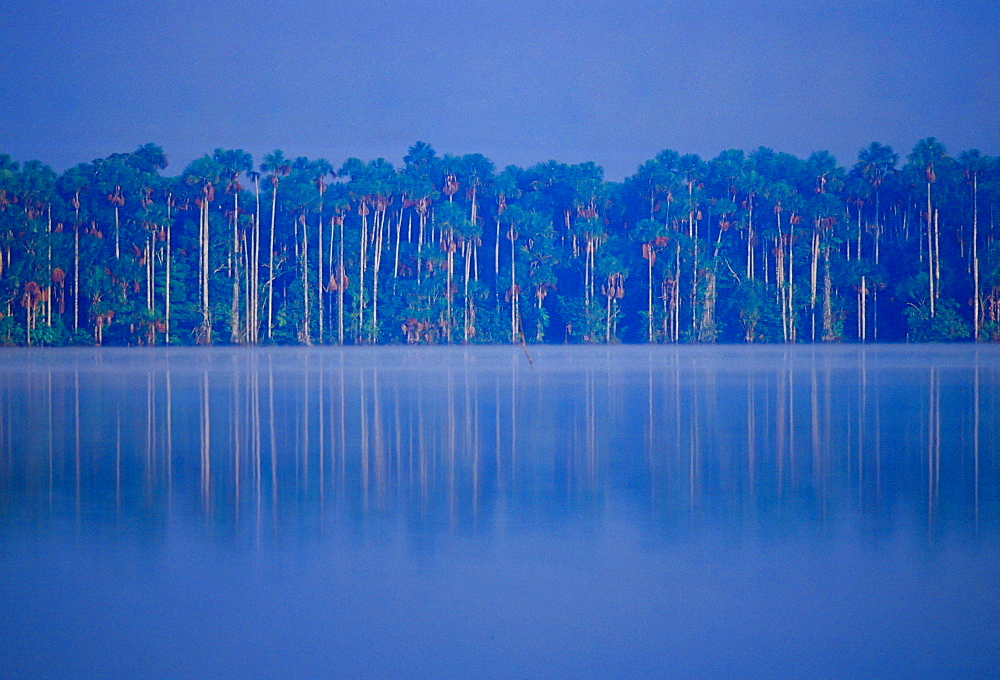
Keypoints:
pixel 745 247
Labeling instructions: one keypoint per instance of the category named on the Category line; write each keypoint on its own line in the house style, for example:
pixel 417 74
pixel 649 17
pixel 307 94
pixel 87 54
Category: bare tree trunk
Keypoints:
pixel 828 333
pixel 496 259
pixel 255 268
pixel 422 210
pixel 649 301
pixel 341 279
pixel 148 254
pixel 76 271
pixel 235 332
pixel 932 293
pixel 270 261
pixel 792 327
pixel 813 277
pixel 863 310
pixel 514 312
pixel 362 267
pixel 676 295
pixel 304 262
pixel 449 239
pixel 937 253
pixel 707 331
pixel 320 300
pixel 48 267
pixel 166 334
pixel 779 280
pixel 467 315
pixel 379 228
pixel 607 323
pixel 399 237
pixel 333 232
pixel 975 257
pixel 206 331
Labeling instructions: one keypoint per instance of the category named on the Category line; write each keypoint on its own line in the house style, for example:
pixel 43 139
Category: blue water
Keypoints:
pixel 579 512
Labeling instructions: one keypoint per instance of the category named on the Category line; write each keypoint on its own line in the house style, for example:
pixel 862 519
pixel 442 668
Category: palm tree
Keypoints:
pixel 781 194
pixel 320 169
pixel 276 166
pixel 922 160
pixel 875 164
pixel 253 266
pixel 652 236
pixel 73 182
pixel 203 174
pixel 505 189
pixel 750 183
pixel 455 229
pixel 652 180
pixel 974 165
pixel 382 178
pixel 692 171
pixel 234 162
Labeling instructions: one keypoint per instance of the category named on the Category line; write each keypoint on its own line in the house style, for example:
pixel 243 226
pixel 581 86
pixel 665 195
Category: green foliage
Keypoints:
pixel 758 247
pixel 754 303
pixel 945 326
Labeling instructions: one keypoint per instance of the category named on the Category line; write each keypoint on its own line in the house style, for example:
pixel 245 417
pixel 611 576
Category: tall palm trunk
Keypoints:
pixel 676 295
pixel 320 299
pixel 650 256
pixel 255 267
pixel 707 331
pixel 467 316
pixel 341 281
pixel 496 258
pixel 362 266
pixel 515 312
pixel 235 332
pixel 399 237
pixel 117 239
pixel 330 261
pixel 449 240
pixel 828 332
pixel 48 267
pixel 932 292
pixel 150 271
pixel 378 227
pixel 270 260
pixel 206 321
pixel 304 264
pixel 813 277
pixel 779 280
pixel 792 326
pixel 167 283
pixel 422 211
pixel 863 310
pixel 975 257
pixel 76 261
pixel 693 235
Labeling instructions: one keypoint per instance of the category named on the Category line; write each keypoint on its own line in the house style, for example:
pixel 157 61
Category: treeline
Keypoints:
pixel 758 247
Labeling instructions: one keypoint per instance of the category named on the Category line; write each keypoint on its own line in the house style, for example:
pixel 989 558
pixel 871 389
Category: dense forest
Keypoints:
pixel 758 247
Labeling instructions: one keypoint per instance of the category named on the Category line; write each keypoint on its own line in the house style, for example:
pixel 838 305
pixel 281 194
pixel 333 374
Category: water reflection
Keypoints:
pixel 279 439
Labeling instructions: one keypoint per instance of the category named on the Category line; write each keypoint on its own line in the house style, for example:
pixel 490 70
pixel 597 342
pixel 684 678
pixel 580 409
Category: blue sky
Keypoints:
pixel 521 82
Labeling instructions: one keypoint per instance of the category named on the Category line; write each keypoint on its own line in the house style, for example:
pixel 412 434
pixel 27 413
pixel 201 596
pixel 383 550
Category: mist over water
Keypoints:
pixel 500 512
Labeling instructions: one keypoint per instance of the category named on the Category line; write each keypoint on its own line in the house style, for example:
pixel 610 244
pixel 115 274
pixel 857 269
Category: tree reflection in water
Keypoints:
pixel 455 435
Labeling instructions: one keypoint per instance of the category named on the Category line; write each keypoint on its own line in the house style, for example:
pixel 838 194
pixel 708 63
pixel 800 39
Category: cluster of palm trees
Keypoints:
pixel 751 247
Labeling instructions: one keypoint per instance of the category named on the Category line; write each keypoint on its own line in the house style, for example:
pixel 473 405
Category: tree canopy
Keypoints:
pixel 745 247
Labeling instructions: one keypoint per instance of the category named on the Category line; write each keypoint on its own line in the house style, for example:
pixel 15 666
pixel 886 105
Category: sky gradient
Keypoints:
pixel 521 82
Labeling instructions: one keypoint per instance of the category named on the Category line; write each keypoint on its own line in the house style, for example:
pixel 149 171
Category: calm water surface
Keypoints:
pixel 584 512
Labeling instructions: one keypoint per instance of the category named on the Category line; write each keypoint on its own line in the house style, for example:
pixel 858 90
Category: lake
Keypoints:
pixel 500 512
